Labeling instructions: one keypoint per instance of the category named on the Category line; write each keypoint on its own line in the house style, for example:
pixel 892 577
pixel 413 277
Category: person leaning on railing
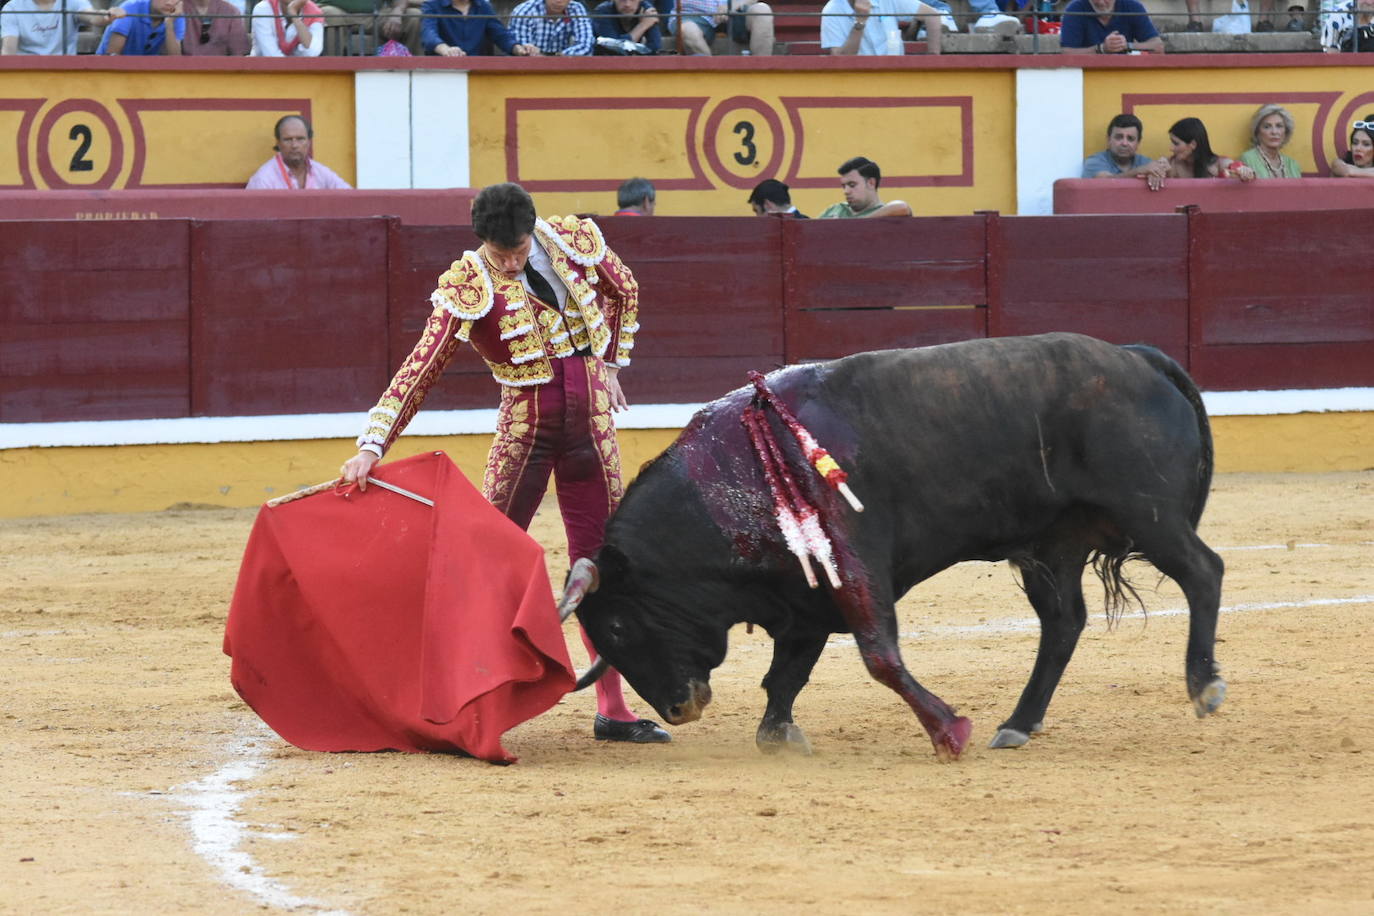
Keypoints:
pixel 1191 156
pixel 558 28
pixel 287 28
pixel 634 21
pixel 48 26
pixel 214 28
pixel 142 30
pixel 871 27
pixel 1108 27
pixel 467 28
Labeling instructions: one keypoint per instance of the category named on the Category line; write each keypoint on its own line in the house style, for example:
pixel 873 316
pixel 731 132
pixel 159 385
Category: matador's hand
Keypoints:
pixel 618 401
pixel 356 469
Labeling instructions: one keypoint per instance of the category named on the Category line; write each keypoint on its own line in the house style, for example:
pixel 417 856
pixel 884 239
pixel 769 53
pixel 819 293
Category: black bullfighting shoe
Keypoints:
pixel 644 731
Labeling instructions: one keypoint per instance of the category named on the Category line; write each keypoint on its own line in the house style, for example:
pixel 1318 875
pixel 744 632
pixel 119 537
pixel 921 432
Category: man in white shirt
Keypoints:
pixel 48 26
pixel 874 26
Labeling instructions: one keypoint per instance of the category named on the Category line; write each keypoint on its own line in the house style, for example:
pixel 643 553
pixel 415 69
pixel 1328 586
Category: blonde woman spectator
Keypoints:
pixel 1359 161
pixel 294 28
pixel 1270 129
pixel 1349 27
pixel 48 26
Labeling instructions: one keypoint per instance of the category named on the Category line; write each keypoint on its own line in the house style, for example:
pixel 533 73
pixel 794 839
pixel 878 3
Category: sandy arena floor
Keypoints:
pixel 136 782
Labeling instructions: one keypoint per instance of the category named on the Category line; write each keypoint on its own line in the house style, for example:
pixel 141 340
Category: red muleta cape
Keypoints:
pixel 369 621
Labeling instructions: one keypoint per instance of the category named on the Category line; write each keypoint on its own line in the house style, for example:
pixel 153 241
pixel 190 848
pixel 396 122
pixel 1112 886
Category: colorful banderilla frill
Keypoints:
pixel 820 459
pixel 798 520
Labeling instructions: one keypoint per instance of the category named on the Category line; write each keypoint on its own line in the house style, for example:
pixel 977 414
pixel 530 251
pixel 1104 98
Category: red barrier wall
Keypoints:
pixel 1130 195
pixel 436 207
pixel 873 284
pixel 167 318
pixel 94 320
pixel 1280 300
pixel 1123 279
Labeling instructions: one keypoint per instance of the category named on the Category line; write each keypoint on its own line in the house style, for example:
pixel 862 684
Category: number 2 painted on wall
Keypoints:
pixel 79 161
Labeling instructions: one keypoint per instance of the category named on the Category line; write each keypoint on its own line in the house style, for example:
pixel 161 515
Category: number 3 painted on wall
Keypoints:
pixel 751 153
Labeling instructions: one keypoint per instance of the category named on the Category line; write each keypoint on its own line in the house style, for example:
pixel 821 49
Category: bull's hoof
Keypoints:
pixel 786 737
pixel 952 738
pixel 1008 737
pixel 1209 698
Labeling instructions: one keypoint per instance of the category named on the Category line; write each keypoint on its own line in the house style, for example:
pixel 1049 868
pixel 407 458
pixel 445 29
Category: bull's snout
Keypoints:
pixel 698 696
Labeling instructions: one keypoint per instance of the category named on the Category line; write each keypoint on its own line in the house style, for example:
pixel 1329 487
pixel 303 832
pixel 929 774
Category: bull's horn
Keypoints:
pixel 582 580
pixel 592 674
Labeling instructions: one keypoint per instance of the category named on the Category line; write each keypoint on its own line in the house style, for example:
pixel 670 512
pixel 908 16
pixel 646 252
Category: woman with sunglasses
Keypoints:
pixel 214 28
pixel 1358 162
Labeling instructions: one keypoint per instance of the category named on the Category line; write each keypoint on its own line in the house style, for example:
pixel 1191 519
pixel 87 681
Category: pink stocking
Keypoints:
pixel 610 696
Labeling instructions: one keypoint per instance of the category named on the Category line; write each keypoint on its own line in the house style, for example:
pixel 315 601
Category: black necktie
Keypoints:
pixel 540 287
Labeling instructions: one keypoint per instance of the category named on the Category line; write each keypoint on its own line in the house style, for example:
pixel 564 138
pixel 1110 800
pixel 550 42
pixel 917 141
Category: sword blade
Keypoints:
pixel 395 489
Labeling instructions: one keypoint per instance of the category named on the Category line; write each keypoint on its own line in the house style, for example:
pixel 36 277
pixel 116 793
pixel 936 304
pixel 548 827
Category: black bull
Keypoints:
pixel 1050 452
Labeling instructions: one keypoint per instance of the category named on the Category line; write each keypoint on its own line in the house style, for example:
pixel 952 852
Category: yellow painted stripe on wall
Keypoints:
pixel 150 478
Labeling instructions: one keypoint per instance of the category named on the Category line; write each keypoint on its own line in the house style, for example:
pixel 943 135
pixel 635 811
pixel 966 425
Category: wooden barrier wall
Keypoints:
pixel 173 318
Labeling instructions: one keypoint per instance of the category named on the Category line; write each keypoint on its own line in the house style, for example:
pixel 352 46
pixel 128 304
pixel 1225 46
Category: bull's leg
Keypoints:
pixel 1054 586
pixel 1182 556
pixel 793 658
pixel 873 620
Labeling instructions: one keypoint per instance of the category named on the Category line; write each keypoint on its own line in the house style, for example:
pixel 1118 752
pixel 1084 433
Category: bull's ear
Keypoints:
pixel 612 562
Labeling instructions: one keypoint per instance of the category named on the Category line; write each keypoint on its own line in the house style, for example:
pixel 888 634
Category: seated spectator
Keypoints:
pixel 553 27
pixel 635 197
pixel 874 26
pixel 1297 19
pixel 859 179
pixel 292 169
pixel 214 28
pixel 294 28
pixel 1358 162
pixel 392 32
pixel 24 31
pixel 1270 129
pixel 369 15
pixel 1349 27
pixel 142 30
pixel 771 197
pixel 1108 27
pixel 1192 157
pixel 745 22
pixel 466 28
pixel 1121 158
pixel 628 20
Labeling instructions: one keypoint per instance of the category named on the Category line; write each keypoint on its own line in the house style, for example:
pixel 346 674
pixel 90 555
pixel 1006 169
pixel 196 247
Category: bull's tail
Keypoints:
pixel 1175 374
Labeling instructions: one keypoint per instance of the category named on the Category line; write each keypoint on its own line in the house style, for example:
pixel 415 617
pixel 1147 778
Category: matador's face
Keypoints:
pixel 509 261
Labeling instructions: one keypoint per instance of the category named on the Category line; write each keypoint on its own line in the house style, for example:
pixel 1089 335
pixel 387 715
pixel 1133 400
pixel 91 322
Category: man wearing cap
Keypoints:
pixel 771 197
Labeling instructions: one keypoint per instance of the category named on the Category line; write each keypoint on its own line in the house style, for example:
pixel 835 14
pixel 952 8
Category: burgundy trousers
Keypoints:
pixel 564 428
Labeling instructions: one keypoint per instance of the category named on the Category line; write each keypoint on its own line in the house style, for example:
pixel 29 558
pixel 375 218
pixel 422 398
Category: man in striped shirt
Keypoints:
pixel 553 27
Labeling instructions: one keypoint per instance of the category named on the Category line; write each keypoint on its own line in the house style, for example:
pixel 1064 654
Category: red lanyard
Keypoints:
pixel 286 174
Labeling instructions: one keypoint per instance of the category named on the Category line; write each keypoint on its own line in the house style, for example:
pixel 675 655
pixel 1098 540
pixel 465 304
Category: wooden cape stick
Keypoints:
pixel 330 484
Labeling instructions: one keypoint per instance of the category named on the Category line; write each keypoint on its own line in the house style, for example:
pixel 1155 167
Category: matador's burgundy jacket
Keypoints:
pixel 517 335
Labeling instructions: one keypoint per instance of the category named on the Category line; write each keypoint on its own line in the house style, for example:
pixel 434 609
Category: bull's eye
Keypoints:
pixel 616 629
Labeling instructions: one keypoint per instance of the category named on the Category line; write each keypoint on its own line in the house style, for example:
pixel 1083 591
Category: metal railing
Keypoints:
pixel 1034 22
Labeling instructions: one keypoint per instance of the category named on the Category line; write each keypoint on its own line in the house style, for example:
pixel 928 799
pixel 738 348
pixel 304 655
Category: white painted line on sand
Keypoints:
pixel 212 804
pixel 1023 624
